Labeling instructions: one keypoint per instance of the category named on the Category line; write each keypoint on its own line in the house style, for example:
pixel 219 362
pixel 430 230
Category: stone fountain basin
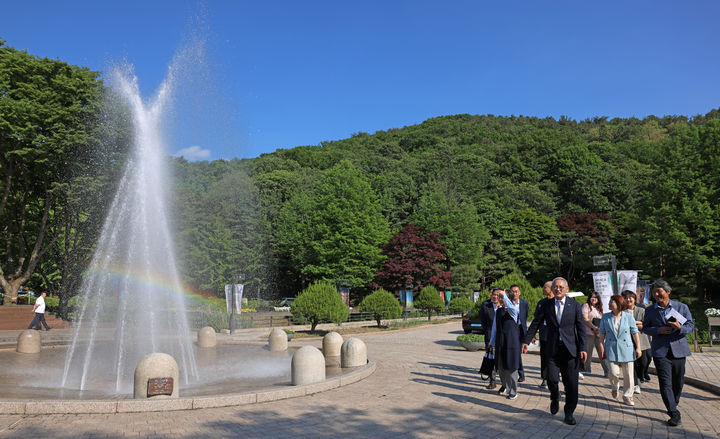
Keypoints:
pixel 229 375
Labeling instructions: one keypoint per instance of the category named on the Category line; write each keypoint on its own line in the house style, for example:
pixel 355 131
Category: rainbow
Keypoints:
pixel 155 281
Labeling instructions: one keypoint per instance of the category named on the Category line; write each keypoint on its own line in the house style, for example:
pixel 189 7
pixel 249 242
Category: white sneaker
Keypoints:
pixel 637 389
pixel 581 376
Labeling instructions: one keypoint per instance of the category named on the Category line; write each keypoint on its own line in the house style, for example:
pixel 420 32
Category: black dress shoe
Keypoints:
pixel 492 385
pixel 542 384
pixel 674 420
pixel 521 379
pixel 554 406
pixel 569 420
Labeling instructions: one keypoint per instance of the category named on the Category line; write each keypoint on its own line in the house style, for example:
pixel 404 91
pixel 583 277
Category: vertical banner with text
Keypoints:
pixel 603 284
pixel 228 298
pixel 238 297
pixel 238 292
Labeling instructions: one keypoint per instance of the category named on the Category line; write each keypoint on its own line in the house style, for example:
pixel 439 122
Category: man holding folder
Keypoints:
pixel 667 321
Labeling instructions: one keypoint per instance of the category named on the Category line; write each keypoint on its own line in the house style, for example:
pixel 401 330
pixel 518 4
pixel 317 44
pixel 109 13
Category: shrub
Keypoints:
pixel 49 301
pixel 529 293
pixel 382 304
pixel 460 305
pixel 429 299
pixel 320 301
pixel 215 317
pixel 470 337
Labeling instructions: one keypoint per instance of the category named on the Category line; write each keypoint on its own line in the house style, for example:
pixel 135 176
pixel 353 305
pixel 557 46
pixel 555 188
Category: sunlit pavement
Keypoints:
pixel 425 385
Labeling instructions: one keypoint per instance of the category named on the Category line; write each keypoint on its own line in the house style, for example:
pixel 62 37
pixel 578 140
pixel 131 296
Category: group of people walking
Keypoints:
pixel 625 339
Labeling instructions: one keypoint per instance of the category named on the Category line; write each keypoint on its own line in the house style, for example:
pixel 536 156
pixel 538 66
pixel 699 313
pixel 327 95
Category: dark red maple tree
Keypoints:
pixel 412 259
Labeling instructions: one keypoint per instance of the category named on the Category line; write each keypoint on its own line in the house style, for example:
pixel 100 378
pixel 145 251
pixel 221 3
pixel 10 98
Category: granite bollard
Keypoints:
pixel 332 342
pixel 206 337
pixel 29 342
pixel 277 340
pixel 353 353
pixel 308 366
pixel 157 376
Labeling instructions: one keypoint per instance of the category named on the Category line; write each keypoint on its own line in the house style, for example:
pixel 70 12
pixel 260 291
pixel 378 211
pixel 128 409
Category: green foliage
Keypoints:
pixel 382 304
pixel 215 317
pixel 473 338
pixel 460 305
pixel 529 293
pixel 442 210
pixel 49 301
pixel 49 136
pixel 429 299
pixel 320 302
pixel 504 194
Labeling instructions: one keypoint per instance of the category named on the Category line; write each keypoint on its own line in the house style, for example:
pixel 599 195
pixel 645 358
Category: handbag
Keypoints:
pixel 487 366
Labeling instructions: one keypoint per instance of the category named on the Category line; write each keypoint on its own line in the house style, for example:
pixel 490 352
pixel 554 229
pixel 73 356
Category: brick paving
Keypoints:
pixel 425 386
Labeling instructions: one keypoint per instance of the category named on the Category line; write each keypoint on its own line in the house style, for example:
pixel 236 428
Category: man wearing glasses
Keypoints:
pixel 565 345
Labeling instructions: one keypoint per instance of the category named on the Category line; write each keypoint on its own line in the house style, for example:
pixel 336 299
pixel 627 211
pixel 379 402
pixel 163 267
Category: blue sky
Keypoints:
pixel 280 74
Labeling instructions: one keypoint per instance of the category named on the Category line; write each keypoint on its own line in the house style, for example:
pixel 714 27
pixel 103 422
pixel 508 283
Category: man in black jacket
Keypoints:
pixel 487 318
pixel 565 345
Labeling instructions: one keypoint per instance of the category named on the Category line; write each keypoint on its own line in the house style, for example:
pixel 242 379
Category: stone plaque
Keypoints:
pixel 160 386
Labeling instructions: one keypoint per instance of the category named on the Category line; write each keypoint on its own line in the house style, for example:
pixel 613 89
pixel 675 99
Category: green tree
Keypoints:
pixel 429 299
pixel 48 109
pixel 344 229
pixel 382 304
pixel 443 211
pixel 529 293
pixel 460 305
pixel 320 302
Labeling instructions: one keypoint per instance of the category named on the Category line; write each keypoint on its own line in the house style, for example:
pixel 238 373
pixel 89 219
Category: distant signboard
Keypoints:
pixel 238 297
pixel 603 283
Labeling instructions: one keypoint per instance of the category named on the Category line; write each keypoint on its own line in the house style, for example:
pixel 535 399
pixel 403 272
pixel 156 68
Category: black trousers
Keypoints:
pixel 641 366
pixel 671 378
pixel 39 318
pixel 543 361
pixel 565 365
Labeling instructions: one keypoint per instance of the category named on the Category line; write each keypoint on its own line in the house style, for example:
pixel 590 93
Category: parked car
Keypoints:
pixel 286 301
pixel 472 325
pixel 23 297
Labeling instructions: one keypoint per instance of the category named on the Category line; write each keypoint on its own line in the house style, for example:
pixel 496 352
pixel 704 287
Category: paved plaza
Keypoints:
pixel 425 386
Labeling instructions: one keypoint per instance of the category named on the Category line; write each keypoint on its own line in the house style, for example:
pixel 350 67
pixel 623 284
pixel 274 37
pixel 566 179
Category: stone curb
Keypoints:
pixel 73 407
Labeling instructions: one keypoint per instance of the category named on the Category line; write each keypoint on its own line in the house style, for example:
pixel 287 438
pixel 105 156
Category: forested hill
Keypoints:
pixel 538 196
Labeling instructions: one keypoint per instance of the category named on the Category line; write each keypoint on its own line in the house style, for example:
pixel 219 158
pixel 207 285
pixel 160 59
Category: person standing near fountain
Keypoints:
pixel 39 310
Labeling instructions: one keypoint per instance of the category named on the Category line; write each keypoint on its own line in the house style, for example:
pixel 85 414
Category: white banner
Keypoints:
pixel 238 297
pixel 602 281
pixel 228 298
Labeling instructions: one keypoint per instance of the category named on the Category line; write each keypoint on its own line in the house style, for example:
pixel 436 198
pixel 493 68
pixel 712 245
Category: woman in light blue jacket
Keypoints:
pixel 617 331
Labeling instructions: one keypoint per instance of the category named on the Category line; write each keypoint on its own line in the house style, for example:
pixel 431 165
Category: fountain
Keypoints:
pixel 132 304
pixel 132 289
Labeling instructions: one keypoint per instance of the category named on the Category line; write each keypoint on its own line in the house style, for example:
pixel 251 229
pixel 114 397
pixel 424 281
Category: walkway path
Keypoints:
pixel 425 386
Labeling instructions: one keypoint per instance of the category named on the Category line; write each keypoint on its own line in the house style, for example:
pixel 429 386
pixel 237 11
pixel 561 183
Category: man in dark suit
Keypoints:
pixel 522 323
pixel 487 318
pixel 565 345
pixel 668 321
